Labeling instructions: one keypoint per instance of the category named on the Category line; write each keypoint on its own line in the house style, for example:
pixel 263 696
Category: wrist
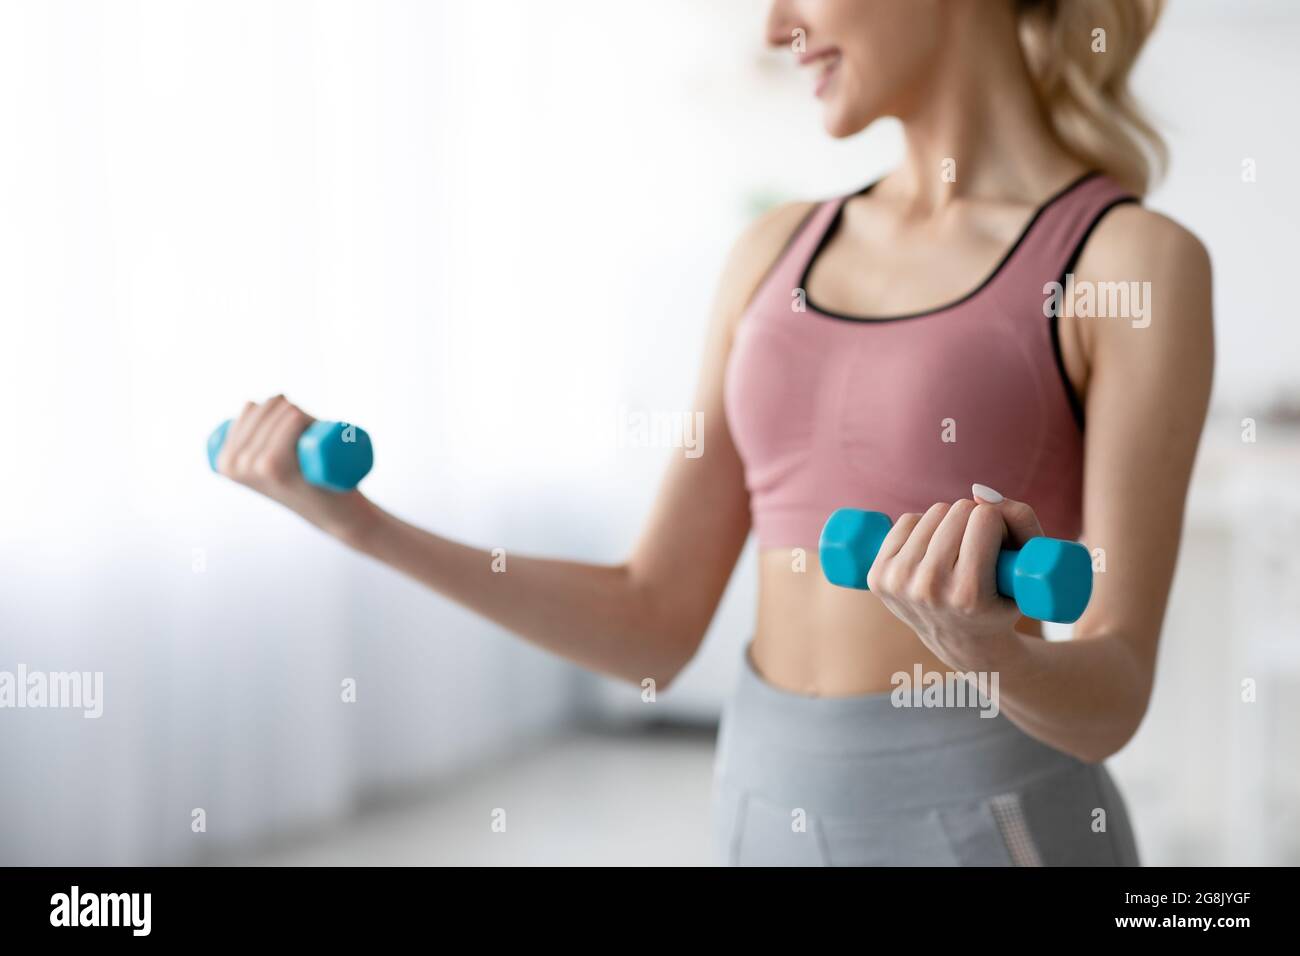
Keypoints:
pixel 356 522
pixel 1000 651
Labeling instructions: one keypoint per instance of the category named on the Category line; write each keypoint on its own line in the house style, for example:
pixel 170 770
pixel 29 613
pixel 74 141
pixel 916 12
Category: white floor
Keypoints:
pixel 592 798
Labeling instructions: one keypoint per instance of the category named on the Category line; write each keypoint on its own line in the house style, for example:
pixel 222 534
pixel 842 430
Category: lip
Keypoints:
pixel 812 56
pixel 817 56
pixel 824 80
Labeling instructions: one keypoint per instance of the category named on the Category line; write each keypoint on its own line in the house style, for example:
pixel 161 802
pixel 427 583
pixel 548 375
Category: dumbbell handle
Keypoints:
pixel 331 455
pixel 1049 579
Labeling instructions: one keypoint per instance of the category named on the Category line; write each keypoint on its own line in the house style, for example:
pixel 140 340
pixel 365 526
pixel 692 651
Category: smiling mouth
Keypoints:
pixel 828 71
pixel 829 61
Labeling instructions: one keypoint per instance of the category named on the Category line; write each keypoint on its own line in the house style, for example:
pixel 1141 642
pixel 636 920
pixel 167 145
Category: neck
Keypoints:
pixel 977 129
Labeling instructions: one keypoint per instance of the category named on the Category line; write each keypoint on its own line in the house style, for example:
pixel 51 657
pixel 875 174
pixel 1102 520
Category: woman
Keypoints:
pixel 1000 312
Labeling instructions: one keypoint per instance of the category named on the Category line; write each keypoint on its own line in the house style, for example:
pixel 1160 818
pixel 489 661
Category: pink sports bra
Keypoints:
pixel 894 414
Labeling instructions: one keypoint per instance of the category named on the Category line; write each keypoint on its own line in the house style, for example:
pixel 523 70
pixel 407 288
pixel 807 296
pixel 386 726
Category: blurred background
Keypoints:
pixel 206 202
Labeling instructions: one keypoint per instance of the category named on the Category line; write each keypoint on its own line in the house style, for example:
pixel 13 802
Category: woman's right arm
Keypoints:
pixel 642 618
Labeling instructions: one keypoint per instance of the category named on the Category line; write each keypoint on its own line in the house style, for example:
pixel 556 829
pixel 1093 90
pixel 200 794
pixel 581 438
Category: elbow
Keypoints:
pixel 1123 713
pixel 1114 738
pixel 1100 752
pixel 669 632
pixel 658 674
pixel 678 652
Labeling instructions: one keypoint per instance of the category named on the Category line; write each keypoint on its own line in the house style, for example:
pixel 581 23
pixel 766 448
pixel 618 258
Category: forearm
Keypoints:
pixel 1084 696
pixel 598 616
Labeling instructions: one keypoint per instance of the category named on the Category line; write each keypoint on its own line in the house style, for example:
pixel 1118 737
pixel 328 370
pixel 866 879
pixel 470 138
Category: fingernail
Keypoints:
pixel 985 492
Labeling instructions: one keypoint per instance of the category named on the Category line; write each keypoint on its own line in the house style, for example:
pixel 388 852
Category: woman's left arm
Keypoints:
pixel 1147 391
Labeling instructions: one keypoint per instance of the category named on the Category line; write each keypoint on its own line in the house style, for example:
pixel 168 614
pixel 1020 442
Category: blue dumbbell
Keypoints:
pixel 331 455
pixel 1049 579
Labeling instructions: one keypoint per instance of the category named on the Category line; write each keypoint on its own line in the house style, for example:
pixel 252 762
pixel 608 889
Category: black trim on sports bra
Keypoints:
pixel 1076 407
pixel 865 319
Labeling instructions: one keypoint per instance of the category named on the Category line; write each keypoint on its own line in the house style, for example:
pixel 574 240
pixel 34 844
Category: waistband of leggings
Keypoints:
pixel 864 723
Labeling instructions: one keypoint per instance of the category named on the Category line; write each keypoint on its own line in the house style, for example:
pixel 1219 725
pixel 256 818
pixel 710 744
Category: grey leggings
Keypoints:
pixel 857 781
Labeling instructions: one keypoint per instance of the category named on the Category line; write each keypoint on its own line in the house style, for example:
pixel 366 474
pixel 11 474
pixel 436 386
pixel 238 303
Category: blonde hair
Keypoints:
pixel 1085 93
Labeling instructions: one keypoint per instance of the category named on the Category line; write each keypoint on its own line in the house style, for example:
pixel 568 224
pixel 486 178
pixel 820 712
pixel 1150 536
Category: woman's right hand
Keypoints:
pixel 261 452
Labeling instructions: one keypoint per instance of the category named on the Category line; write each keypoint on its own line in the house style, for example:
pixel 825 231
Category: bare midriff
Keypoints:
pixel 819 640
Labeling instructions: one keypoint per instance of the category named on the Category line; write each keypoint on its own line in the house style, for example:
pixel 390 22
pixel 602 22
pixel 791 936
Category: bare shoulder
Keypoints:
pixel 1164 264
pixel 1168 321
pixel 1134 239
pixel 754 253
pixel 768 234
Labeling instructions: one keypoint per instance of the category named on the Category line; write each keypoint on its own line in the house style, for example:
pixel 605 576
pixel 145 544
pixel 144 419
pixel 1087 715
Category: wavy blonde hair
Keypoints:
pixel 1085 93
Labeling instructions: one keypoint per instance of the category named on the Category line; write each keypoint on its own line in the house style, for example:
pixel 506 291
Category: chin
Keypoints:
pixel 841 123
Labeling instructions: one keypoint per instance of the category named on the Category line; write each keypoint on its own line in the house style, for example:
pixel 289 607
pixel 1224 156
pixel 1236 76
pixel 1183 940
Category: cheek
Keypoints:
pixel 856 103
pixel 884 65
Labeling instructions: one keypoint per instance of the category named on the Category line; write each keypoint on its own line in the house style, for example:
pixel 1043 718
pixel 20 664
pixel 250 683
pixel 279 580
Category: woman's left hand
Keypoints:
pixel 937 572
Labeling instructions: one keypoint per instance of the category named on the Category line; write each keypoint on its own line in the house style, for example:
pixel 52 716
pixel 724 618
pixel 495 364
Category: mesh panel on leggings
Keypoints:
pixel 1015 830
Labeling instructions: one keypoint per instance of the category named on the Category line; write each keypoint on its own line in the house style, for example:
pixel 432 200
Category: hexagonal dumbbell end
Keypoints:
pixel 1050 579
pixel 848 546
pixel 335 455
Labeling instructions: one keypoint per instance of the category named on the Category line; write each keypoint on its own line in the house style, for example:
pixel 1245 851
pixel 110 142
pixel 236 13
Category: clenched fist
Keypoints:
pixel 261 452
pixel 937 572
